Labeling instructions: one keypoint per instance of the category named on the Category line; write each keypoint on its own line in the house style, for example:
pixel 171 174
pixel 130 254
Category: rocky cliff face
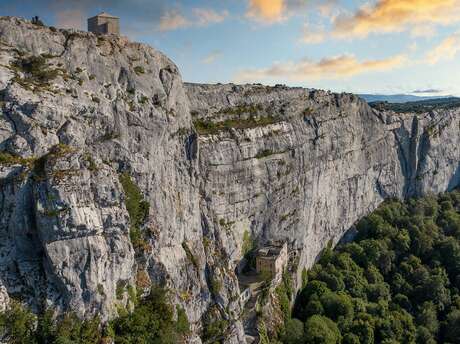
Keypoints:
pixel 316 164
pixel 85 120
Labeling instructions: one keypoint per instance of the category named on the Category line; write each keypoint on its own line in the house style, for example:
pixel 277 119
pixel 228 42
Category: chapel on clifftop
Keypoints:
pixel 104 23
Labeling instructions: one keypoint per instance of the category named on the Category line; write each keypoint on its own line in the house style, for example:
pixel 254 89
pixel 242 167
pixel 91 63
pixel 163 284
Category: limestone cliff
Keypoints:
pixel 82 115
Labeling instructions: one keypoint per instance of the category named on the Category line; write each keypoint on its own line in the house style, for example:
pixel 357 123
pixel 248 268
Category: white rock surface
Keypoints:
pixel 117 106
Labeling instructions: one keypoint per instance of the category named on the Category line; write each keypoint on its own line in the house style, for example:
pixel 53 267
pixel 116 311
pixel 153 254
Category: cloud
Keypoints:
pixel 273 11
pixel 174 19
pixel 396 16
pixel 429 90
pixel 68 19
pixel 207 17
pixel 446 50
pixel 312 34
pixel 328 68
pixel 212 57
pixel 266 10
pixel 423 31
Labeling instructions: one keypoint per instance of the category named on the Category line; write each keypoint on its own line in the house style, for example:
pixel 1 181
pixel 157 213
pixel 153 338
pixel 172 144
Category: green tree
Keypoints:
pixel 452 327
pixel 337 305
pixel 293 332
pixel 17 324
pixel 321 330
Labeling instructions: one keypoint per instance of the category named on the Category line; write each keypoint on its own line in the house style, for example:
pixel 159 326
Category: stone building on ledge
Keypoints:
pixel 272 260
pixel 105 24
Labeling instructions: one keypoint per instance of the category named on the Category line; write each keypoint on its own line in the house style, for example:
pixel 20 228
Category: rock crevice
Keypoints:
pixel 265 163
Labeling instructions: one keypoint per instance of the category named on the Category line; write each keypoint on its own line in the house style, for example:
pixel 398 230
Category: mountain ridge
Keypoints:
pixel 116 176
pixel 398 98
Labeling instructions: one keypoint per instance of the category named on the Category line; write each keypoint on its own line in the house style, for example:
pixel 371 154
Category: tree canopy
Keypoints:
pixel 397 282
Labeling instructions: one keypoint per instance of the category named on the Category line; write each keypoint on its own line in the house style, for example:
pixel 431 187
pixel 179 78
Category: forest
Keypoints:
pixel 397 282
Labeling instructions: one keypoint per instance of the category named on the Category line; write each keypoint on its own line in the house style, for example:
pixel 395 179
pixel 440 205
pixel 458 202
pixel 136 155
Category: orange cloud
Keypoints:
pixel 446 50
pixel 396 16
pixel 328 68
pixel 266 10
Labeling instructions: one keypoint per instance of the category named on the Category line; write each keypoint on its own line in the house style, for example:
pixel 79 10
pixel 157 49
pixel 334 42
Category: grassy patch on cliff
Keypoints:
pixel 35 71
pixel 208 127
pixel 138 209
pixel 7 159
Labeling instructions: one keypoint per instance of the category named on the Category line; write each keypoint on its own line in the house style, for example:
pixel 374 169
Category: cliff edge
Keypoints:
pixel 114 175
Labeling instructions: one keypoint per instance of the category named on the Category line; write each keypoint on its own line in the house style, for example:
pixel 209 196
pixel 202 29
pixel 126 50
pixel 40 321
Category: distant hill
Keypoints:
pixel 397 98
pixel 418 106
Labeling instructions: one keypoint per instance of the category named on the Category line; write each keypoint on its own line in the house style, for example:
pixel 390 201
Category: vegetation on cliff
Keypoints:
pixel 152 321
pixel 398 282
pixel 138 210
pixel 419 106
pixel 208 127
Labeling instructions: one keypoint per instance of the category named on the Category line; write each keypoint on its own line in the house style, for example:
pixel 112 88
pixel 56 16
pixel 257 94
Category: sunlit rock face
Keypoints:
pixel 220 166
pixel 325 161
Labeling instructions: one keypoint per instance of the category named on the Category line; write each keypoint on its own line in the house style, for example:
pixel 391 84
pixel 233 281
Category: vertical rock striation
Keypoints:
pixel 221 167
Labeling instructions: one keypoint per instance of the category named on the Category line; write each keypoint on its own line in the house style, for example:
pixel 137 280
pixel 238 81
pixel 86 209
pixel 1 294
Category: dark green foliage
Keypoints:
pixel 419 106
pixel 36 70
pixel 398 282
pixel 293 332
pixel 137 207
pixel 139 70
pixel 17 324
pixel 208 127
pixel 337 305
pixel 152 321
pixel 143 100
pixel 120 290
pixel 92 166
pixel 216 286
pixel 214 327
pixel 321 330
pixel 304 278
pixel 283 298
pixel 183 325
pixel 190 255
pixel 20 326
pixel 264 153
pixel 248 251
pixel 7 159
pixel 452 326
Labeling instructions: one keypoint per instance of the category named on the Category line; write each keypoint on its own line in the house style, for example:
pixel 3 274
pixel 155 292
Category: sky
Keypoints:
pixel 376 46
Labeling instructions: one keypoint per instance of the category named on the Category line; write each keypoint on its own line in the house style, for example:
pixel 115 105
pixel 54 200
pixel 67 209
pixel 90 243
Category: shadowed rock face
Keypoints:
pixel 266 163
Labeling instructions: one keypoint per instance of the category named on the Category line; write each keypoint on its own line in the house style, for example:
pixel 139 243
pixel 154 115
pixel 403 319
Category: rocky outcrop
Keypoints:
pixel 221 167
pixel 78 111
pixel 322 162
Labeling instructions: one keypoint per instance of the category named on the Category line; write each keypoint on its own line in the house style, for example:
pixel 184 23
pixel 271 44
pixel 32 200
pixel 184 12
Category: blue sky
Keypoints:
pixel 377 46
